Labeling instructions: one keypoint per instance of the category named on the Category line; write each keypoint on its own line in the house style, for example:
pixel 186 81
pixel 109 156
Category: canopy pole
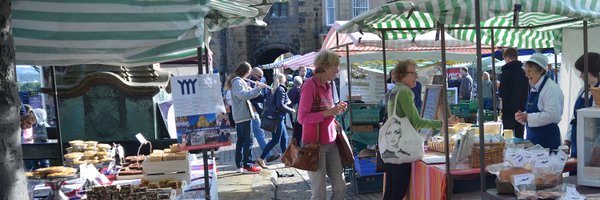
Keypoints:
pixel 555 67
pixel 479 93
pixel 57 110
pixel 494 89
pixel 199 55
pixel 384 61
pixel 337 38
pixel 441 31
pixel 207 66
pixel 585 64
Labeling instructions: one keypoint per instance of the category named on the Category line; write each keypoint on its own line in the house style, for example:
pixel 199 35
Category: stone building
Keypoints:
pixel 297 27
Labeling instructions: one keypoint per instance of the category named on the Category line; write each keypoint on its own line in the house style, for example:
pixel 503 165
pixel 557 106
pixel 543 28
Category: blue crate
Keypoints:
pixel 460 110
pixel 366 166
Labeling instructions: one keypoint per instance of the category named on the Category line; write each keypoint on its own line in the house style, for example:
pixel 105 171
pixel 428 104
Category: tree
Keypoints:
pixel 13 184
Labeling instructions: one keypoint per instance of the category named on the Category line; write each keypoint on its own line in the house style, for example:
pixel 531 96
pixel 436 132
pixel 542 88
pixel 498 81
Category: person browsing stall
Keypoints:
pixel 322 116
pixel 544 105
pixel 258 103
pixel 398 175
pixel 592 75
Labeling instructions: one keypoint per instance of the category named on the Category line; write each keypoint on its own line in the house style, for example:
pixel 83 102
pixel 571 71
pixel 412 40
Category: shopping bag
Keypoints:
pixel 344 148
pixel 305 157
pixel 398 140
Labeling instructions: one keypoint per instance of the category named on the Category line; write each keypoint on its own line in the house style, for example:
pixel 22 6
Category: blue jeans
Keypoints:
pixel 259 134
pixel 243 144
pixel 280 136
pixel 488 103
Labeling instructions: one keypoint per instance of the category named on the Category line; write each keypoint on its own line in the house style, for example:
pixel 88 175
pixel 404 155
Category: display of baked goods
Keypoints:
pixel 172 153
pixel 87 152
pixel 127 192
pixel 507 173
pixel 139 158
pixel 52 172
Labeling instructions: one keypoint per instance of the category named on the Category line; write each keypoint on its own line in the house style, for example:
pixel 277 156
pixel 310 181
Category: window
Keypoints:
pixel 279 10
pixel 330 11
pixel 359 7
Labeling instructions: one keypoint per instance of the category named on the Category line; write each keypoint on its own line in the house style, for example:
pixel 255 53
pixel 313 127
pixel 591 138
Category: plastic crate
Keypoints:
pixel 369 184
pixel 473 105
pixel 366 166
pixel 460 110
pixel 348 172
pixel 364 114
pixel 488 115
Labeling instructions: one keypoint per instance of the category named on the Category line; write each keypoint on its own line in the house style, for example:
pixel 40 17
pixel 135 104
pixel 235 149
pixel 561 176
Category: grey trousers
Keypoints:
pixel 330 165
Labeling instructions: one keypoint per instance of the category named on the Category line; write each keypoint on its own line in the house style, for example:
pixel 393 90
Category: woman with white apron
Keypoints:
pixel 544 105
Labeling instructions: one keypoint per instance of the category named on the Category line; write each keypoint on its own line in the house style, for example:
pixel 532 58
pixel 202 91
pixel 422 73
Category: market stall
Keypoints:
pixel 536 30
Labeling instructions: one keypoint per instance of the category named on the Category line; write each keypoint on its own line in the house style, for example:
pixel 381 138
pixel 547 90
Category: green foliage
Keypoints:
pixel 29 86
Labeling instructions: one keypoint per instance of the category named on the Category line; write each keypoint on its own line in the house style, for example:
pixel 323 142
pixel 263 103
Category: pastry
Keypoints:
pixel 91 143
pixel 158 152
pixel 73 142
pixel 155 157
pixel 174 148
pixel 79 146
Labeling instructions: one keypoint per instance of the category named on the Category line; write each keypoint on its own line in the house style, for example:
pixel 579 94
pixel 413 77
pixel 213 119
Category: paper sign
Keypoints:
pixel 519 161
pixel 562 156
pixel 540 153
pixel 542 163
pixel 523 179
pixel 141 138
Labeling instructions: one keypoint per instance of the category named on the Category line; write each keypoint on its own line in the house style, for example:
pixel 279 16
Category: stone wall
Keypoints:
pixel 298 33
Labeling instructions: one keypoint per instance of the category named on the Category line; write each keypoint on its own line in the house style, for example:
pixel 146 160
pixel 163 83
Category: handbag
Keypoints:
pixel 268 124
pixel 304 157
pixel 344 148
pixel 398 140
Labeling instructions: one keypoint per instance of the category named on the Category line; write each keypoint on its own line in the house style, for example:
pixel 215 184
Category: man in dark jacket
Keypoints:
pixel 259 105
pixel 513 90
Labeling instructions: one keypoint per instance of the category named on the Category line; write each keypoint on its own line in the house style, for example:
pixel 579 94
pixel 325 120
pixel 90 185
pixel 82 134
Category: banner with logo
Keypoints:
pixel 199 111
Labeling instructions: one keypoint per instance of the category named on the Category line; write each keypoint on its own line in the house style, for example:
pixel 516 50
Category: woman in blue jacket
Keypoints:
pixel 277 108
pixel 593 70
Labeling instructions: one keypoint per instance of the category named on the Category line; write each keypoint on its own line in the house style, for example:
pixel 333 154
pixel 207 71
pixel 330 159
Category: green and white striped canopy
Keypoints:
pixel 122 32
pixel 534 15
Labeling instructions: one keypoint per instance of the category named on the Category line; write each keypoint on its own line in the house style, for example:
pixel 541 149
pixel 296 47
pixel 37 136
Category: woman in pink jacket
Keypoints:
pixel 321 114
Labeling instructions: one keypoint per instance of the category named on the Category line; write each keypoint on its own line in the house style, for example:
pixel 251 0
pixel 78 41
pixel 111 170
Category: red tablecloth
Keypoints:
pixel 429 181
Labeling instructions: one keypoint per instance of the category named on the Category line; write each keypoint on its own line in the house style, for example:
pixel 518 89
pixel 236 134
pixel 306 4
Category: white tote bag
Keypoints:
pixel 399 142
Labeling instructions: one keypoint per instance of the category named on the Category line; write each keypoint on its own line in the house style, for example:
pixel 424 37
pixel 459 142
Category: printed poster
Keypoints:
pixel 199 111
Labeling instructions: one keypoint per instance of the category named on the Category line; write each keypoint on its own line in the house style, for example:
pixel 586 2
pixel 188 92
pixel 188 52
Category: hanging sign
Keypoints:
pixel 199 111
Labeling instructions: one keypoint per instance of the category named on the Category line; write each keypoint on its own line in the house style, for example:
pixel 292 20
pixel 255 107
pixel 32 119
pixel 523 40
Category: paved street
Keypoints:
pixel 294 184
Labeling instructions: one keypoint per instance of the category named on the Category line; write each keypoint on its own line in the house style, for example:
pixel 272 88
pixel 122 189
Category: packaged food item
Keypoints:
pixel 525 186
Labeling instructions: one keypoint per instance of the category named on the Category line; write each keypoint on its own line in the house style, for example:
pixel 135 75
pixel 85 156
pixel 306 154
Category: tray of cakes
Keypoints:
pixel 53 173
pixel 168 163
pixel 88 152
pixel 131 168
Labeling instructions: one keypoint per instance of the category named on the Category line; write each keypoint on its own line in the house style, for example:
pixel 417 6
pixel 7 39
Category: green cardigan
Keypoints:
pixel 408 109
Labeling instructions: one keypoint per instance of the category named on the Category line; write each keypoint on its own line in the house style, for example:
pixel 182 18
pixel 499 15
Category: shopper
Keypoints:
pixel 294 95
pixel 466 85
pixel 513 91
pixel 241 109
pixel 322 117
pixel 487 88
pixel 592 75
pixel 258 104
pixel 277 108
pixel 544 105
pixel 398 175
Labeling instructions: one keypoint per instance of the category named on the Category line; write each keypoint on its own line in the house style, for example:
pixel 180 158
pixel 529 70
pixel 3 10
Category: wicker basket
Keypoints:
pixel 494 153
pixel 439 146
pixel 596 95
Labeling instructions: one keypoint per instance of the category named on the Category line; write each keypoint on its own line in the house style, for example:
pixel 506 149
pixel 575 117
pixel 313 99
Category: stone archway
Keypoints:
pixel 268 53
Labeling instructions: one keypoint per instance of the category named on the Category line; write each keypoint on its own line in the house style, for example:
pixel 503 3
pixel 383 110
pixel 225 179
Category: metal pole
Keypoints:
pixel 384 61
pixel 199 54
pixel 585 63
pixel 57 111
pixel 349 72
pixel 204 151
pixel 207 66
pixel 337 38
pixel 479 93
pixel 441 31
pixel 555 67
pixel 494 89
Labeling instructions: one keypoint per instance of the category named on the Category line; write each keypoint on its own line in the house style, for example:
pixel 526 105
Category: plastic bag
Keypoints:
pixel 551 193
pixel 525 186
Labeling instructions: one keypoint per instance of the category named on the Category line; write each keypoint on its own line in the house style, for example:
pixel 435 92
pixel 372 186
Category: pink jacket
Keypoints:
pixel 310 119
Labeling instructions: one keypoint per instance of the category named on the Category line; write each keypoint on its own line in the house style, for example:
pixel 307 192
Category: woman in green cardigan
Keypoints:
pixel 398 175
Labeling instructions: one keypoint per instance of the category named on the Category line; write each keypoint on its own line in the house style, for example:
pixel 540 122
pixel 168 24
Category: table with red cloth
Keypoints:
pixel 428 181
